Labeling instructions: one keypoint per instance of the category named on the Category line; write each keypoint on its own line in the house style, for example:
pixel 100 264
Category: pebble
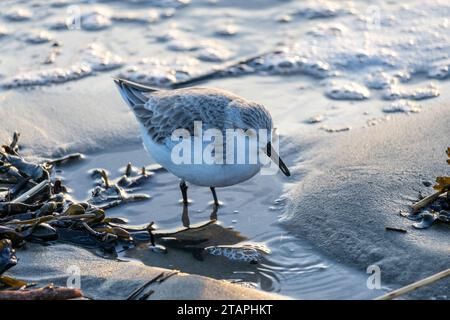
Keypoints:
pixel 316 119
pixel 427 183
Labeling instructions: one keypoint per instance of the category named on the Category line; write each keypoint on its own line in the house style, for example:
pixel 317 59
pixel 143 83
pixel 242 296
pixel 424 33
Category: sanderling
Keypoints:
pixel 161 112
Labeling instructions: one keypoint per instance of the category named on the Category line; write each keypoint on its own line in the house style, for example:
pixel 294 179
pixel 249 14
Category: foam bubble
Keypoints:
pixel 397 92
pixel 379 80
pixel 37 37
pixel 226 30
pixel 163 3
pixel 3 31
pixel 60 3
pixel 94 58
pixel 214 54
pixel 182 45
pixel 97 19
pixel 291 63
pixel 97 56
pixel 318 9
pixel 18 14
pixel 206 50
pixel 327 30
pixel 285 18
pixel 246 252
pixel 151 16
pixel 161 73
pixel 335 129
pixel 316 119
pixel 402 106
pixel 58 23
pixel 346 90
pixel 169 35
pixel 48 76
pixel 359 58
pixel 168 13
pixel 440 70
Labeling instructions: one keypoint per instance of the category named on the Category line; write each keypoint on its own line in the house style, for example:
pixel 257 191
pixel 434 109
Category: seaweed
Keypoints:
pixel 48 292
pixel 35 207
pixel 111 194
pixel 8 257
pixel 435 207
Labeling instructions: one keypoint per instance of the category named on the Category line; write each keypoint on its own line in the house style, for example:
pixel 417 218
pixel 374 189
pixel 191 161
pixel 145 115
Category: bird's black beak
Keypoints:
pixel 272 154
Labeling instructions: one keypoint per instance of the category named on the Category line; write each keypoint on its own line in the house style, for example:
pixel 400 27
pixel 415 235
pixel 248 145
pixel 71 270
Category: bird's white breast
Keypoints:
pixel 203 174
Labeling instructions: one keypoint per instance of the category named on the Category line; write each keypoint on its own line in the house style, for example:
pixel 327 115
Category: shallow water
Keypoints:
pixel 341 66
pixel 293 267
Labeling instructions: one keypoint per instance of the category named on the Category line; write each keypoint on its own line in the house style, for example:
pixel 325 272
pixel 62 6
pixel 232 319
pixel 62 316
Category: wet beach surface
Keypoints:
pixel 292 268
pixel 340 69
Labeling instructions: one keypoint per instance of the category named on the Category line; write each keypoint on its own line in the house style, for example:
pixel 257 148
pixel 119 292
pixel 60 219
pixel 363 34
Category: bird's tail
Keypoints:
pixel 133 93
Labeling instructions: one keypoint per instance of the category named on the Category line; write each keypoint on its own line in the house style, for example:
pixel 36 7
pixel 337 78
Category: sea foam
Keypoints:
pixel 94 58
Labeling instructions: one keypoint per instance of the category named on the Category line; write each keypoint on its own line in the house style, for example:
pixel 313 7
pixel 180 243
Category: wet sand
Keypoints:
pixel 109 279
pixel 357 184
pixel 344 92
pixel 292 268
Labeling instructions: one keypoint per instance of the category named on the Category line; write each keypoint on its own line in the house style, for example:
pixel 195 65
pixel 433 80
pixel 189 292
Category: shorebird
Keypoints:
pixel 160 112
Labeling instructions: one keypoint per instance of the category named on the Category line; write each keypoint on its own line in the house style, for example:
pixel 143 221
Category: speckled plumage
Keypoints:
pixel 163 111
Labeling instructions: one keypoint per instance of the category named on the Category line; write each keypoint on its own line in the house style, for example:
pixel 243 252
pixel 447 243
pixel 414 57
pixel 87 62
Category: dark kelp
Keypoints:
pixel 35 207
pixel 8 257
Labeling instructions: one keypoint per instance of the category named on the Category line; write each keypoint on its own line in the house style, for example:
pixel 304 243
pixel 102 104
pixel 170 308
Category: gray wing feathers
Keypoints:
pixel 161 112
pixel 133 93
pixel 180 111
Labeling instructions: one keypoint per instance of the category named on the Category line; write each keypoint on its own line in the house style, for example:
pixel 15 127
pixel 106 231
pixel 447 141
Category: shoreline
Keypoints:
pixel 372 174
pixel 114 279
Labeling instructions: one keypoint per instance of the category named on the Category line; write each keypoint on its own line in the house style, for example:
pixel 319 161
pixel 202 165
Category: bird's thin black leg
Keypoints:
pixel 183 188
pixel 213 215
pixel 213 191
pixel 185 217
